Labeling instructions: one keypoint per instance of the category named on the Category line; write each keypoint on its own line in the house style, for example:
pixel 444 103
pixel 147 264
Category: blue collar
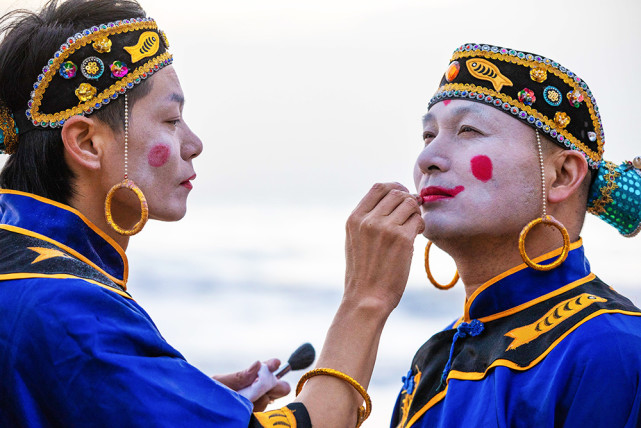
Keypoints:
pixel 66 228
pixel 523 284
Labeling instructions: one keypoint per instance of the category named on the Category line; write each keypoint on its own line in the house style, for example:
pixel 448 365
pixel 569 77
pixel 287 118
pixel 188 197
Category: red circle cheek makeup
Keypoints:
pixel 481 167
pixel 158 155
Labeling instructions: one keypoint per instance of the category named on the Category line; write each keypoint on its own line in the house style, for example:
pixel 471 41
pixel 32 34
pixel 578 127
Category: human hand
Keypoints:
pixel 246 378
pixel 379 245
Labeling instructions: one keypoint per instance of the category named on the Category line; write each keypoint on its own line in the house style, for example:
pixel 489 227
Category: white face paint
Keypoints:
pixel 492 157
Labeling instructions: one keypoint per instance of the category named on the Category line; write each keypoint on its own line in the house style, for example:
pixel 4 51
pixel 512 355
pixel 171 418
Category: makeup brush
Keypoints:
pixel 300 359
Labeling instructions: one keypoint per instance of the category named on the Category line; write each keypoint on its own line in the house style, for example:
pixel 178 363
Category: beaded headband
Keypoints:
pixel 89 70
pixel 537 90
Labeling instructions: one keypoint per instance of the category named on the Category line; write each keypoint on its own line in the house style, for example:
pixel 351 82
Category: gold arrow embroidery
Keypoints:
pixel 551 319
pixel 47 253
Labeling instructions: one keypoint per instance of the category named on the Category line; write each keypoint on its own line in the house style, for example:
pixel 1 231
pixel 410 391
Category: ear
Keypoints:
pixel 570 168
pixel 78 134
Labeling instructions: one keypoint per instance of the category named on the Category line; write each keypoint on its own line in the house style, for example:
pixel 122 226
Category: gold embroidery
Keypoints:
pixel 119 86
pixel 86 92
pixel 102 45
pixel 283 417
pixel 506 98
pixel 567 79
pixel 484 70
pixel 147 46
pixel 610 177
pixel 47 253
pixel 551 319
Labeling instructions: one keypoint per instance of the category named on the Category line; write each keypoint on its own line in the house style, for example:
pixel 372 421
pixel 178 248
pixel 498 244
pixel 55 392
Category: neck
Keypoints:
pixel 481 258
pixel 92 206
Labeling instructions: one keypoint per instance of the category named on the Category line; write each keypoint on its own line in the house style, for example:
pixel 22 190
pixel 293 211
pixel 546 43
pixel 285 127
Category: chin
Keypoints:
pixel 168 214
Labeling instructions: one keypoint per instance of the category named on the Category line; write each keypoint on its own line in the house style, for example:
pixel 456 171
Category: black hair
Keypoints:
pixel 30 39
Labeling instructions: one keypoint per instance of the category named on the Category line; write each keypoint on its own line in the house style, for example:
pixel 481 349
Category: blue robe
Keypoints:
pixel 75 348
pixel 533 349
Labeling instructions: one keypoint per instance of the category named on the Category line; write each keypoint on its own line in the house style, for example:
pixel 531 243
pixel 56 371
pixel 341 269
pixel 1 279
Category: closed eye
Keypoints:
pixel 467 128
pixel 428 136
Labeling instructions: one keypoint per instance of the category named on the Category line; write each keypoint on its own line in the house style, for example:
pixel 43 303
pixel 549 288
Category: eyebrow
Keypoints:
pixel 458 112
pixel 176 97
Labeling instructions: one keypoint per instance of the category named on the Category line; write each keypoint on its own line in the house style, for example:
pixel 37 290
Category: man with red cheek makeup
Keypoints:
pixel 512 160
pixel 91 118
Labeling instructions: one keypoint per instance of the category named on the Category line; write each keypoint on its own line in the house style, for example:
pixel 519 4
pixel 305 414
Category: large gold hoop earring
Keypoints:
pixel 429 273
pixel 127 184
pixel 551 221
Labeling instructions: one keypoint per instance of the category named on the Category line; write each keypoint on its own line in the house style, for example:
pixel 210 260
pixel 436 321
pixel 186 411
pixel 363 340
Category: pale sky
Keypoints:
pixel 312 102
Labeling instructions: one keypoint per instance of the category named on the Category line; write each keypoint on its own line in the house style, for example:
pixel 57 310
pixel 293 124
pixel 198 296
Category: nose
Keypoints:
pixel 191 145
pixel 433 158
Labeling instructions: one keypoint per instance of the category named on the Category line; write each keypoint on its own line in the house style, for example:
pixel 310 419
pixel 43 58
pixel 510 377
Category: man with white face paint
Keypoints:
pixel 513 143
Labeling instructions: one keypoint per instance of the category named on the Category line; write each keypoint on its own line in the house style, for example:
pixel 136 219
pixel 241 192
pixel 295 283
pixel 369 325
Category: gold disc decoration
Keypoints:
pixel 429 273
pixel 127 184
pixel 551 221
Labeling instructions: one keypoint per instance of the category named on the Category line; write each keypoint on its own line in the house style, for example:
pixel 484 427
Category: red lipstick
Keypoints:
pixel 187 183
pixel 436 193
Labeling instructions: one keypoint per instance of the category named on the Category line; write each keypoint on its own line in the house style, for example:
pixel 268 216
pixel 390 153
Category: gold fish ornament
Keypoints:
pixel 147 46
pixel 485 70
pixel 551 319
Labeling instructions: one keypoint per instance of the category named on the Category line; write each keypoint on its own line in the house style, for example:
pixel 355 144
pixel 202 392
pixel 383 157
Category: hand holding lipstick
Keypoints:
pixel 379 245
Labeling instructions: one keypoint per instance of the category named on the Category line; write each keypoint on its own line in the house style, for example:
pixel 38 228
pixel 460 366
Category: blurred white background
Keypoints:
pixel 302 106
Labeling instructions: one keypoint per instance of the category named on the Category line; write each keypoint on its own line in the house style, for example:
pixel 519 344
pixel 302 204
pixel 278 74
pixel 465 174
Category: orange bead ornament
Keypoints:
pixel 452 71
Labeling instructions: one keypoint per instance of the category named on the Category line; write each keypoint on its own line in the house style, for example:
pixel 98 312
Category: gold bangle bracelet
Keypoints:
pixel 363 412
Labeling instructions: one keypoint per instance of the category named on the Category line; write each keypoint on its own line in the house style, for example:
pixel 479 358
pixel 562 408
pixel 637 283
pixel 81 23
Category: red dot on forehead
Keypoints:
pixel 446 102
pixel 481 167
pixel 158 155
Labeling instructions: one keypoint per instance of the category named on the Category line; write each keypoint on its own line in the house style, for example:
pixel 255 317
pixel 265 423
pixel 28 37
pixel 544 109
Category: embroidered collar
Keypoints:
pixel 66 228
pixel 521 284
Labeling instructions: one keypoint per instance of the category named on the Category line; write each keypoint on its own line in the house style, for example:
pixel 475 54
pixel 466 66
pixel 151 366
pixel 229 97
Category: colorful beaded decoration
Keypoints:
pixel 575 98
pixel 552 96
pixel 92 68
pixel 118 69
pixel 585 134
pixel 452 71
pixel 526 96
pixel 68 70
pixel 615 196
pixel 103 38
